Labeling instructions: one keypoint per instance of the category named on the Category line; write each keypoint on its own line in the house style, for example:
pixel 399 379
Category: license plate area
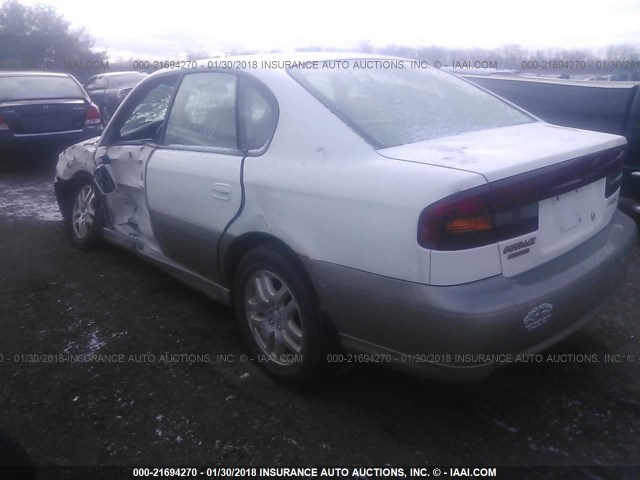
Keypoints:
pixel 53 122
pixel 568 208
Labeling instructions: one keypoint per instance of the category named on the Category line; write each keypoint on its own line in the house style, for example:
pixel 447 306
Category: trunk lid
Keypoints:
pixel 570 177
pixel 31 117
pixel 507 151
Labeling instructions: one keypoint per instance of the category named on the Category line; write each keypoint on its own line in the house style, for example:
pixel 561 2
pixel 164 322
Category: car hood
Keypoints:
pixel 506 151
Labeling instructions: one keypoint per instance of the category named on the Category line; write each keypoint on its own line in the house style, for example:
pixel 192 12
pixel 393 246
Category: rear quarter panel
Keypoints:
pixel 327 194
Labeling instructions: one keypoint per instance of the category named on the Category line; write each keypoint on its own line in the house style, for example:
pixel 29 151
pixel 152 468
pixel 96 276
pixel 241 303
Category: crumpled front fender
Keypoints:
pixel 77 158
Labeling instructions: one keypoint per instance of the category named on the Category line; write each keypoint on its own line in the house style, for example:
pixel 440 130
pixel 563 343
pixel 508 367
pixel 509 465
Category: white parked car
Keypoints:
pixel 403 214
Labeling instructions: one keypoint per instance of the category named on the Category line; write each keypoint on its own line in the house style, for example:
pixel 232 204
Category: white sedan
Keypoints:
pixel 353 208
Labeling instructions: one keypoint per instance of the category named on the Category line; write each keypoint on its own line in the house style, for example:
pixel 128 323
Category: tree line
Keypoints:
pixel 39 38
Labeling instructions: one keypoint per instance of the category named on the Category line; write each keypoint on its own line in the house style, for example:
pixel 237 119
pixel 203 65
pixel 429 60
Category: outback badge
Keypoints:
pixel 519 248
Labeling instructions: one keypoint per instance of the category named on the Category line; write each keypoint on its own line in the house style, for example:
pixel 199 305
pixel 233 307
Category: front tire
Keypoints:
pixel 279 315
pixel 84 218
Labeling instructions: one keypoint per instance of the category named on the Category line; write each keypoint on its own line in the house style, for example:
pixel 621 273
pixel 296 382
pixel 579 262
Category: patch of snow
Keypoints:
pixel 34 201
pixel 95 342
pixel 501 424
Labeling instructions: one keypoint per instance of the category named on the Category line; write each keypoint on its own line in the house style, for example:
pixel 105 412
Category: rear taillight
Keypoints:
pixel 469 219
pixel 614 177
pixel 509 208
pixel 3 124
pixel 92 117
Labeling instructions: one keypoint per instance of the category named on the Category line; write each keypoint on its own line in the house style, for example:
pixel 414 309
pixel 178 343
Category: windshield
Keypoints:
pixel 396 106
pixel 31 87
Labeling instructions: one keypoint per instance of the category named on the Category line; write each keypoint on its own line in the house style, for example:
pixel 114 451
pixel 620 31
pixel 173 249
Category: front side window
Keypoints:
pixel 395 106
pixel 148 113
pixel 150 110
pixel 204 112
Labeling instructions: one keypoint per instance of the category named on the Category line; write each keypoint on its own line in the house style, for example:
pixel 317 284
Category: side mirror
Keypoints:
pixel 104 179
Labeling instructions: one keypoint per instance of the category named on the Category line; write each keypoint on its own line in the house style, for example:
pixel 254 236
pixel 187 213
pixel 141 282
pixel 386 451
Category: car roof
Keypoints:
pixel 294 57
pixel 305 56
pixel 33 74
pixel 556 81
pixel 300 57
pixel 116 74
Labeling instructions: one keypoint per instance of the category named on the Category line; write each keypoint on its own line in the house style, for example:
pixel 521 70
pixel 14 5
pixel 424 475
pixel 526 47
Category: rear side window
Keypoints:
pixel 395 106
pixel 31 87
pixel 257 118
pixel 97 83
pixel 128 80
pixel 204 112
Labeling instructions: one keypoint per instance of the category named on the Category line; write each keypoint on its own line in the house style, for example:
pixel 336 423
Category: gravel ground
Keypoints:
pixel 157 408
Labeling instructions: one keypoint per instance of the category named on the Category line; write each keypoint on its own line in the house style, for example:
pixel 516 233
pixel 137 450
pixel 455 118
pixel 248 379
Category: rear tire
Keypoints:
pixel 279 314
pixel 84 216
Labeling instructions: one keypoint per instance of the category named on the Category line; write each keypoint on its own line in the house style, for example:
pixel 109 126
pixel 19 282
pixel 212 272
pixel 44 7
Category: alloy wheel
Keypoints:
pixel 84 211
pixel 274 317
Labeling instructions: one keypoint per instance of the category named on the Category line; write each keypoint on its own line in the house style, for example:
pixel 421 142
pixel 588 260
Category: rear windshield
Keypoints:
pixel 36 88
pixel 396 106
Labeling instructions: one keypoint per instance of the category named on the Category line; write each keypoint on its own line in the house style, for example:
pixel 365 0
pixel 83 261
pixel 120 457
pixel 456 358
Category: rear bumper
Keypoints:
pixel 60 140
pixel 431 329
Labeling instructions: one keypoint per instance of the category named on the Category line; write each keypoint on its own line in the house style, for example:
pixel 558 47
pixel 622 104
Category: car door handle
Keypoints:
pixel 221 191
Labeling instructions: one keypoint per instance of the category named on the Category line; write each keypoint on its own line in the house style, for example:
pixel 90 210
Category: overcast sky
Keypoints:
pixel 167 30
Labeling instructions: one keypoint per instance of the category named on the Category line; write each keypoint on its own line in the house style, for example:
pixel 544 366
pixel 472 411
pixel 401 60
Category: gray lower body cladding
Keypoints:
pixel 526 313
pixel 193 246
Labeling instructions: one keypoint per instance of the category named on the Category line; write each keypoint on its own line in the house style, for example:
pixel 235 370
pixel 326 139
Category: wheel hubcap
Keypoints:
pixel 274 317
pixel 84 210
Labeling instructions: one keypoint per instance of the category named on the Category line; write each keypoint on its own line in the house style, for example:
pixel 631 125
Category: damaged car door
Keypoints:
pixel 194 179
pixel 124 154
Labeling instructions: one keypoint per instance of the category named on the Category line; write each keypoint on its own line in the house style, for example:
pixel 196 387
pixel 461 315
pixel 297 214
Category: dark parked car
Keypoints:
pixel 611 107
pixel 43 109
pixel 108 90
